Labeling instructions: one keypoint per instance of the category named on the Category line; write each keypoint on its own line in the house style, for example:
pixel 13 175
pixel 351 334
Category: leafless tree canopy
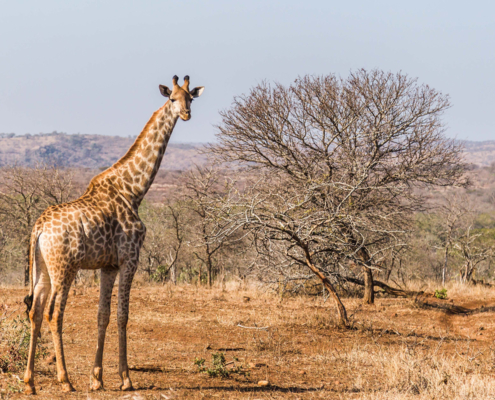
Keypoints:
pixel 24 194
pixel 376 125
pixel 339 162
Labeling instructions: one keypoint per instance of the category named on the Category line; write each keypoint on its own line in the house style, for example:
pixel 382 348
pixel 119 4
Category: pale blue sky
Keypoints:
pixel 95 66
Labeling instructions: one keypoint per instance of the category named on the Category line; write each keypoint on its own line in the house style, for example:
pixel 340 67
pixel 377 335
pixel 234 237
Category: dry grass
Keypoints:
pixel 394 350
pixel 454 289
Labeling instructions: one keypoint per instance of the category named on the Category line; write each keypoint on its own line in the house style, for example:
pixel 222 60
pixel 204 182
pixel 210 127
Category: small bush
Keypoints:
pixel 441 294
pixel 219 366
pixel 16 336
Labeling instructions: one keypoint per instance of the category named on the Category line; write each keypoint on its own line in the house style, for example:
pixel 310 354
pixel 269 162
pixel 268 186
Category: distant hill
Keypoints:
pixel 480 153
pixel 98 151
pixel 86 151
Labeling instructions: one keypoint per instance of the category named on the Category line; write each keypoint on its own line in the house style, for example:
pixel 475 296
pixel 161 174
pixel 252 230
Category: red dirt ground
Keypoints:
pixel 301 353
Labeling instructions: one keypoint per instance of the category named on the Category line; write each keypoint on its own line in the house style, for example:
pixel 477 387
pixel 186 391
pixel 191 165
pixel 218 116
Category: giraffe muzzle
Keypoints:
pixel 185 115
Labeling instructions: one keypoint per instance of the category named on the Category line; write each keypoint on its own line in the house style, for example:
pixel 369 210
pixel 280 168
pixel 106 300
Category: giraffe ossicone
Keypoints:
pixel 99 230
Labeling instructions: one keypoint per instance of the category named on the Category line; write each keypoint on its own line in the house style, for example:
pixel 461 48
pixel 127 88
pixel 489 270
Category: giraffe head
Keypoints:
pixel 181 97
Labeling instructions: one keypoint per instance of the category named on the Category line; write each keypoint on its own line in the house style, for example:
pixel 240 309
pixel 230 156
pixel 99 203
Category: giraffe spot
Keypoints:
pixel 128 188
pixel 132 168
pixel 147 151
pixel 143 165
pixel 127 175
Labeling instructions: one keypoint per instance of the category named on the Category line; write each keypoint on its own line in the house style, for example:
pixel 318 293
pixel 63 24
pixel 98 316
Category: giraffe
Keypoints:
pixel 99 230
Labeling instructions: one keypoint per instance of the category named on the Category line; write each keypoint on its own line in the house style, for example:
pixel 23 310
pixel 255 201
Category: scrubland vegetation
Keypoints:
pixel 328 188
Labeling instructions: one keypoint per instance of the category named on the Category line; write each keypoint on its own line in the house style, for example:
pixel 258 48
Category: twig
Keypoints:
pixel 68 326
pixel 8 315
pixel 262 328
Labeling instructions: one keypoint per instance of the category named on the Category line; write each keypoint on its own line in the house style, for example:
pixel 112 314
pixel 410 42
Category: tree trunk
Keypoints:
pixel 173 275
pixel 209 276
pixel 468 275
pixel 328 285
pixel 26 269
pixel 148 270
pixel 389 270
pixel 444 269
pixel 369 292
pixel 209 267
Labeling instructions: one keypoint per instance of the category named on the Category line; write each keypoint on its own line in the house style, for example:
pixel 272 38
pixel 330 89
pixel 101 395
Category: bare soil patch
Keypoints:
pixel 394 349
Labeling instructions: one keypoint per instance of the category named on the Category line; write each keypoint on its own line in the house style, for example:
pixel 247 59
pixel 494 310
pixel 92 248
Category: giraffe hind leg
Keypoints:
pixel 125 280
pixel 41 286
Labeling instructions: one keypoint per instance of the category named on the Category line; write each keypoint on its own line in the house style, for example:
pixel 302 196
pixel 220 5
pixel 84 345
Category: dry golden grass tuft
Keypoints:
pixel 394 350
pixel 454 289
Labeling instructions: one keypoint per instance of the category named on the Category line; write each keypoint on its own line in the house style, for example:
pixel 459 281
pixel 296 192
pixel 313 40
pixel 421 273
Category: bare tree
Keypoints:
pixel 339 162
pixel 474 251
pixel 26 192
pixel 177 224
pixel 203 191
pixel 453 214
pixel 164 239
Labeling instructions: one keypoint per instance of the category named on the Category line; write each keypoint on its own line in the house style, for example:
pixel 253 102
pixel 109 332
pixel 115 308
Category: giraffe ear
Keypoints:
pixel 165 91
pixel 197 91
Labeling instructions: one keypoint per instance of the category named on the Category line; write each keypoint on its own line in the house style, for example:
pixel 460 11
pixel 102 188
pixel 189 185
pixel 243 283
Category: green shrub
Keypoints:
pixel 441 294
pixel 219 366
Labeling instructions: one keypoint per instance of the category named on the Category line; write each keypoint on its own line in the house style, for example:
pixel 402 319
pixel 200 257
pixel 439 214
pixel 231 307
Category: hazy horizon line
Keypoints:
pixel 4 135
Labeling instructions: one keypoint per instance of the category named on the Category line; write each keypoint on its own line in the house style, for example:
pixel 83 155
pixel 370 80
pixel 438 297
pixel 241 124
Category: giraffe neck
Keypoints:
pixel 134 173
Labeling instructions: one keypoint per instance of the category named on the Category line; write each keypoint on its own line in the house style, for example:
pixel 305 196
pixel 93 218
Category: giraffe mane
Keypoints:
pixel 131 152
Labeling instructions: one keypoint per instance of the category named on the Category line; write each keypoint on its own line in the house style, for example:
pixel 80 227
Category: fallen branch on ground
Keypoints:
pixel 450 308
pixel 386 288
pixel 261 328
pixel 422 299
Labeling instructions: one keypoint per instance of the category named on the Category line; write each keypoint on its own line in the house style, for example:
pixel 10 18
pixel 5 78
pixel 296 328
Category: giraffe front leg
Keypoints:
pixel 125 281
pixel 106 286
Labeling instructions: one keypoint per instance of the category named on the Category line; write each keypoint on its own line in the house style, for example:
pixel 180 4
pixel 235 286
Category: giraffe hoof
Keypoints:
pixel 126 386
pixel 67 387
pixel 29 389
pixel 96 385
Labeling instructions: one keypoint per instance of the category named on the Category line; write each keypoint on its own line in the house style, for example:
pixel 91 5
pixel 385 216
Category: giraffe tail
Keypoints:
pixel 28 300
